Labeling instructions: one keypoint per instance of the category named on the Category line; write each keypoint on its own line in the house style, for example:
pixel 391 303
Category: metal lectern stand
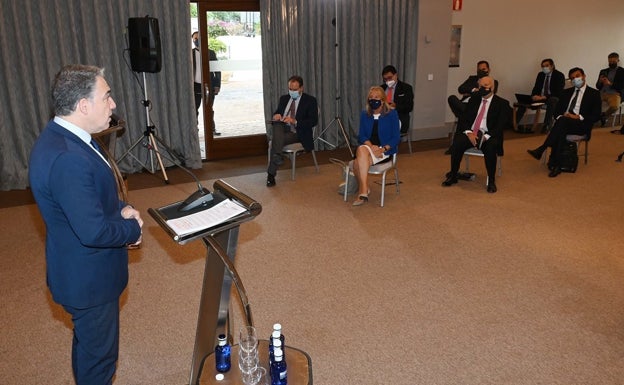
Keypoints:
pixel 219 272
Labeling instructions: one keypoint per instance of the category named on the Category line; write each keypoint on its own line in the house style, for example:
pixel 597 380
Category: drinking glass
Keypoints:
pixel 252 377
pixel 248 339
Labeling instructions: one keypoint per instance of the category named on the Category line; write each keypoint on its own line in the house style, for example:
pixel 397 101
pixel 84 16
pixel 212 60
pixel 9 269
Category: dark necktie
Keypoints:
pixel 573 103
pixel 547 86
pixel 97 147
pixel 291 113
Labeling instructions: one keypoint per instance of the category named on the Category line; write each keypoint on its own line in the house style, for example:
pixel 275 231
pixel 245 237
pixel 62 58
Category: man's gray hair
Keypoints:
pixel 72 83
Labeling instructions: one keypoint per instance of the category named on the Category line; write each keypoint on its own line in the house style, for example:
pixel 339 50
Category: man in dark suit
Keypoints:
pixel 577 111
pixel 469 86
pixel 215 79
pixel 88 228
pixel 548 86
pixel 400 95
pixel 299 112
pixel 611 86
pixel 481 125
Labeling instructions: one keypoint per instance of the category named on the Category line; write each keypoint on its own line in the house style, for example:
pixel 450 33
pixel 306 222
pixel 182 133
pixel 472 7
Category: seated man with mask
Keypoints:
pixel 481 125
pixel 300 113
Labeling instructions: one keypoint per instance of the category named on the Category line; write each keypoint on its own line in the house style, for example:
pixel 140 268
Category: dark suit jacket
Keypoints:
pixel 557 82
pixel 86 257
pixel 498 118
pixel 591 107
pixel 618 81
pixel 306 116
pixel 215 76
pixel 404 100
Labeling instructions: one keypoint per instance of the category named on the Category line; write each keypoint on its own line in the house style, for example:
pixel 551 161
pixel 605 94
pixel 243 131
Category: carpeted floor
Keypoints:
pixel 440 286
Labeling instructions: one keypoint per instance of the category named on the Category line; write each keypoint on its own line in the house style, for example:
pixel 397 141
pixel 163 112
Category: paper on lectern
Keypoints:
pixel 206 219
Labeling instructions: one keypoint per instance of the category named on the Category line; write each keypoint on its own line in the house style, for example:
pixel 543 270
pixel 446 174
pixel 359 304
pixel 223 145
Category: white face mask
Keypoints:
pixel 390 83
pixel 578 82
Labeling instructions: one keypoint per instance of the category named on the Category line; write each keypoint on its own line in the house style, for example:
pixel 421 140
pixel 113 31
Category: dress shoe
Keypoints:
pixel 270 180
pixel 449 181
pixel 491 187
pixel 215 133
pixel 555 171
pixel 537 153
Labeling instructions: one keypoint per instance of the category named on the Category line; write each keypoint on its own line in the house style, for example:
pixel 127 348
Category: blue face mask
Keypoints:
pixel 293 94
pixel 196 42
pixel 546 70
pixel 578 82
pixel 374 103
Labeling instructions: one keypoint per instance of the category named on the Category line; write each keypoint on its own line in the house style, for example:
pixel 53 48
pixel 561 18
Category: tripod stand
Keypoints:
pixel 150 140
pixel 336 119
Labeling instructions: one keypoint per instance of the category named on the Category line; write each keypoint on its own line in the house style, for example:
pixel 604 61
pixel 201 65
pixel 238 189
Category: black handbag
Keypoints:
pixel 568 157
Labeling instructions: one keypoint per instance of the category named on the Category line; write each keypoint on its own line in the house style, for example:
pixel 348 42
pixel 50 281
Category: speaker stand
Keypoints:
pixel 150 140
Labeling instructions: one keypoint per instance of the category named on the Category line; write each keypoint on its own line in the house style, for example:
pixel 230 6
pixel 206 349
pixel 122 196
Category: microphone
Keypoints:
pixel 201 197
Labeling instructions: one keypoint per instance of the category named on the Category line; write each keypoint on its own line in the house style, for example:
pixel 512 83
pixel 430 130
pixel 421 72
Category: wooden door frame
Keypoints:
pixel 227 147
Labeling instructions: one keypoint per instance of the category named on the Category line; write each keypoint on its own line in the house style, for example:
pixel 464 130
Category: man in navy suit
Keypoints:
pixel 88 228
pixel 578 109
pixel 548 86
pixel 481 125
pixel 299 113
pixel 611 86
pixel 400 95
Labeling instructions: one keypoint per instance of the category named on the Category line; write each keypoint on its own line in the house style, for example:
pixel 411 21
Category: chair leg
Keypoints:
pixel 383 188
pixel 409 141
pixel 586 151
pixel 396 180
pixel 315 162
pixel 346 171
pixel 293 161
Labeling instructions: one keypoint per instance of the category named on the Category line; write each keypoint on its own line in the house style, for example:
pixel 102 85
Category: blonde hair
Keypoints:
pixel 385 107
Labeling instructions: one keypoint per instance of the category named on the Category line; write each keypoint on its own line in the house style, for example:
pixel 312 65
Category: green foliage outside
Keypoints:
pixel 224 23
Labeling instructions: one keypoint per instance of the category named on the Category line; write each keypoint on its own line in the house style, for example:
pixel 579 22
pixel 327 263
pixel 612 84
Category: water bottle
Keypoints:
pixel 223 355
pixel 278 368
pixel 276 334
pixel 275 344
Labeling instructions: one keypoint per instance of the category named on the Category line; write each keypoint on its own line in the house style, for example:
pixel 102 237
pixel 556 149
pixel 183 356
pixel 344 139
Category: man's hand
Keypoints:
pixel 572 116
pixel 538 98
pixel 216 90
pixel 277 117
pixel 472 137
pixel 130 212
pixel 290 120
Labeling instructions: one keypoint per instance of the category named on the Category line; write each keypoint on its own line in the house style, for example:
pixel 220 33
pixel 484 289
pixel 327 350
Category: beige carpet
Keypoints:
pixel 441 286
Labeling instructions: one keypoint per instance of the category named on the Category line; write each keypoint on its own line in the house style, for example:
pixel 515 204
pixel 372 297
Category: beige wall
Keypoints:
pixel 514 36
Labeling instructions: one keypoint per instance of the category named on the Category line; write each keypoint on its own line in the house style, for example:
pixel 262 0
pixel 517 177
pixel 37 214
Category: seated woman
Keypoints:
pixel 379 138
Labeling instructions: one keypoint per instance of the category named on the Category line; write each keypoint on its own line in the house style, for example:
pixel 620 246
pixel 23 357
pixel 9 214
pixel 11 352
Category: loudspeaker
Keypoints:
pixel 144 37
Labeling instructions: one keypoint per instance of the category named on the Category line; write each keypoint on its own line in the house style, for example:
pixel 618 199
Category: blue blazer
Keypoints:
pixel 86 257
pixel 388 129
